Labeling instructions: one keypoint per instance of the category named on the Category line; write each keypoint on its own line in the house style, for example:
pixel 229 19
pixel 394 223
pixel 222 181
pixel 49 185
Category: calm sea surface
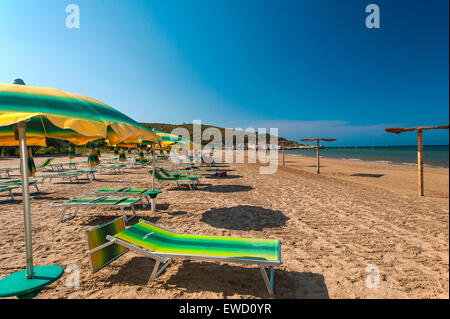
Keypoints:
pixel 405 155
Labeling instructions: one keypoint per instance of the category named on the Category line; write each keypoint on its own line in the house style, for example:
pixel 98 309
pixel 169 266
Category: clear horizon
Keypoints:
pixel 310 69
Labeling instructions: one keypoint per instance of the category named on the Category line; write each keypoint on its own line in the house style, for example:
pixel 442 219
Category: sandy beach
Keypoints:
pixel 332 227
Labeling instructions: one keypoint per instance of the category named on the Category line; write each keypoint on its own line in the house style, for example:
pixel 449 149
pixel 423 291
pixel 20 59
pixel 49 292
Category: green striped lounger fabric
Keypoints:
pixel 106 201
pixel 143 192
pixel 162 241
pixel 97 237
pixel 18 182
pixel 163 245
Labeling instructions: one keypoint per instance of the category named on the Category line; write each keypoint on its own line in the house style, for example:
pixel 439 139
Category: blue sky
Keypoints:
pixel 310 68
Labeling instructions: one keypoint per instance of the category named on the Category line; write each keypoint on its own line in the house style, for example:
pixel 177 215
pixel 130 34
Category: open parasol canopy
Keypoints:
pixel 29 115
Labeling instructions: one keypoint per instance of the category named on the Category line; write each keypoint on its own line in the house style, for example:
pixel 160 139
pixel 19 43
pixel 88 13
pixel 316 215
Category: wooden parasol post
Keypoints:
pixel 419 130
pixel 318 147
pixel 283 143
pixel 420 161
pixel 318 157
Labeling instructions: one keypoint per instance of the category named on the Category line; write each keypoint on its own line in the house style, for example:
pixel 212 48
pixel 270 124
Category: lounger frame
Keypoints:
pixel 19 184
pixel 62 176
pixel 67 206
pixel 149 200
pixel 9 190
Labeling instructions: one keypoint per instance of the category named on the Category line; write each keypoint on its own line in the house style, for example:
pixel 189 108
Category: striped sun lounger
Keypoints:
pixel 7 171
pixel 166 173
pixel 64 176
pixel 18 182
pixel 110 241
pixel 112 202
pixel 191 181
pixel 9 190
pixel 115 169
pixel 89 173
pixel 149 195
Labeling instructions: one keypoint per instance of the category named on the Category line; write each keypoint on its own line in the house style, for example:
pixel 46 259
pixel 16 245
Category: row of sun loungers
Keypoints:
pixel 113 239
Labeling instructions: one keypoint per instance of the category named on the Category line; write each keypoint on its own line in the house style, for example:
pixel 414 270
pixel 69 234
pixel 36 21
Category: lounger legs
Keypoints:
pixel 269 283
pixel 156 272
pixel 125 215
pixel 62 218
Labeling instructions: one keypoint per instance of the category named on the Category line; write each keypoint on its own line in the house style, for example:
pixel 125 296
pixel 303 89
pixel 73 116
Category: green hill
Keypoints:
pixel 189 127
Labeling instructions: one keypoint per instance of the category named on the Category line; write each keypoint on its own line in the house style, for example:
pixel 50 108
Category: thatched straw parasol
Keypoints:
pixel 318 147
pixel 419 130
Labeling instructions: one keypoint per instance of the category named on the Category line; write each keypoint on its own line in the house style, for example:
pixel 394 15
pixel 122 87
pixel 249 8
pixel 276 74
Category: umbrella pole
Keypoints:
pixel 154 167
pixel 21 126
pixel 318 158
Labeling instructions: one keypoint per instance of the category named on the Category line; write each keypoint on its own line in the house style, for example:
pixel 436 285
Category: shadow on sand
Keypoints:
pixel 368 175
pixel 100 220
pixel 226 177
pixel 224 279
pixel 244 218
pixel 226 188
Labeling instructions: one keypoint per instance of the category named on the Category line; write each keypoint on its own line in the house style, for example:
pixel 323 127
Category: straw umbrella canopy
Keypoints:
pixel 317 140
pixel 29 115
pixel 419 130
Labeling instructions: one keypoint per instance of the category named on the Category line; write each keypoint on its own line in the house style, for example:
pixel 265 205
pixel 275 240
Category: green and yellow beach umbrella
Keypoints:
pixel 29 115
pixel 140 153
pixel 92 156
pixel 122 157
pixel 71 151
pixel 169 140
pixel 31 166
pixel 52 113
